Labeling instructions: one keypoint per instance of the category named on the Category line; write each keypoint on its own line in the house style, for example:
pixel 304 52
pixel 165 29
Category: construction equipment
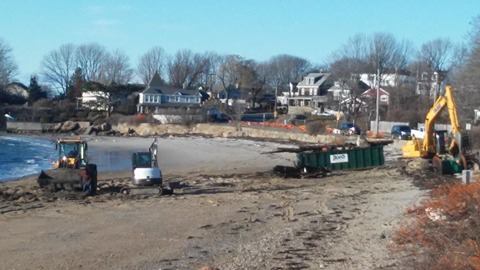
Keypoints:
pixel 71 170
pixel 450 161
pixel 146 173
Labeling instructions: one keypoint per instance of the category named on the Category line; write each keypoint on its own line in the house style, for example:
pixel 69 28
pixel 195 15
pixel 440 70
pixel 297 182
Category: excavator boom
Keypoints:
pixel 426 148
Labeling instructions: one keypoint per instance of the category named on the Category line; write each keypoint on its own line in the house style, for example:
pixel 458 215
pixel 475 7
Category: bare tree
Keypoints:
pixel 356 47
pixel 208 78
pixel 228 70
pixel 8 68
pixel 466 67
pixel 437 54
pixel 401 58
pixel 382 52
pixel 185 69
pixel 117 69
pixel 180 68
pixel 58 66
pixel 283 69
pixel 91 59
pixel 154 60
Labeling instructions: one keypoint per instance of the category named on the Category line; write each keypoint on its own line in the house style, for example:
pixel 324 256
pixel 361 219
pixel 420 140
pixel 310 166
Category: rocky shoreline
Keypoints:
pixel 206 130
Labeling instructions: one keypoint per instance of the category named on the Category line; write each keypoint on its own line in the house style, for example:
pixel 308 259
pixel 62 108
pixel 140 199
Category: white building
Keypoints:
pixel 95 100
pixel 339 92
pixel 310 94
pixel 388 79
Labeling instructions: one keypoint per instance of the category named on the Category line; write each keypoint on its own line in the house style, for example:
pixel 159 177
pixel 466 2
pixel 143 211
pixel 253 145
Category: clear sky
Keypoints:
pixel 252 28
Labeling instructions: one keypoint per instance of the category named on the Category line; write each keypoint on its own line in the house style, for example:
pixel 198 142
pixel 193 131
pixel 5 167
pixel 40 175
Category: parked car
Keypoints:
pixel 299 119
pixel 401 132
pixel 417 133
pixel 219 118
pixel 349 128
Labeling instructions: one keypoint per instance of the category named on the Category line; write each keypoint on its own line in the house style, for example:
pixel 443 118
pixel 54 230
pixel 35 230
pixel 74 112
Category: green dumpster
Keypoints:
pixel 342 159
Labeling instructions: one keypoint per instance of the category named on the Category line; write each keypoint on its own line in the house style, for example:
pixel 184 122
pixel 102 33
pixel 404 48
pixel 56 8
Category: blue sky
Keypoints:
pixel 254 29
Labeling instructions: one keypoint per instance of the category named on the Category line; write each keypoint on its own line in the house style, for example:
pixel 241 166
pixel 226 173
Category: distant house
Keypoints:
pixel 339 92
pixel 156 96
pixel 95 100
pixel 231 94
pixel 371 94
pixel 387 80
pixel 310 94
pixel 428 83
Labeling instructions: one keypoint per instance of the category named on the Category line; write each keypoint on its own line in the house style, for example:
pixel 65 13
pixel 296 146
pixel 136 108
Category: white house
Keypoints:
pixel 339 92
pixel 372 95
pixel 95 100
pixel 388 79
pixel 310 94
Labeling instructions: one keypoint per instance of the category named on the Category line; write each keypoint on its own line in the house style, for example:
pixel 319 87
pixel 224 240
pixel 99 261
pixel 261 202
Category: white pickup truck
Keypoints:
pixel 418 133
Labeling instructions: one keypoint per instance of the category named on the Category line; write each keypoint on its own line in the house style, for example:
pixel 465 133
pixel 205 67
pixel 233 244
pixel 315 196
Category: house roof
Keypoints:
pixel 156 86
pixel 318 79
pixel 373 92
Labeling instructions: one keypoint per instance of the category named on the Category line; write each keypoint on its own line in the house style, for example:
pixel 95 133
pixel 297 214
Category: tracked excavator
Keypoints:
pixel 448 154
pixel 71 171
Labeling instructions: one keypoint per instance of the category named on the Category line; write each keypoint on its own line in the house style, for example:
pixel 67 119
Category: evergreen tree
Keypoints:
pixel 77 81
pixel 35 90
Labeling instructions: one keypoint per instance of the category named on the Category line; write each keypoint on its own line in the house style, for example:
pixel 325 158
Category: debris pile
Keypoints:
pixel 441 233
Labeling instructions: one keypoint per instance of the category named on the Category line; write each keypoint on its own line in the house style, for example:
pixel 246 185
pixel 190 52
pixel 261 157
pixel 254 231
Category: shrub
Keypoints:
pixel 315 127
pixel 474 135
pixel 444 230
pixel 43 103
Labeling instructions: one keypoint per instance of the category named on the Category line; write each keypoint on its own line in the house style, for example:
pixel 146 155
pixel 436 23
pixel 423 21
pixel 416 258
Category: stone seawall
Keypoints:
pixel 212 130
pixel 228 131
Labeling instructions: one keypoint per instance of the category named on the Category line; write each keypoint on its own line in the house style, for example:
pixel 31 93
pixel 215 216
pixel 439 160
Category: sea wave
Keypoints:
pixel 23 155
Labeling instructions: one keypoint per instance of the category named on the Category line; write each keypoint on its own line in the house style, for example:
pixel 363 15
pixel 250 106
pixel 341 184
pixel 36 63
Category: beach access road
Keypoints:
pixel 234 220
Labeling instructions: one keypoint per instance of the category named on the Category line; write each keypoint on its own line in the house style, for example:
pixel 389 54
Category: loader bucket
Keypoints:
pixel 61 178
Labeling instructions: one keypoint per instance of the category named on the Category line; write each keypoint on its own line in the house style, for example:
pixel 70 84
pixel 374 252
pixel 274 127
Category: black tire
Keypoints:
pixel 91 188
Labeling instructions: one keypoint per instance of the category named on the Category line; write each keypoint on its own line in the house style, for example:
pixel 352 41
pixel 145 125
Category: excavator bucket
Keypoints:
pixel 412 149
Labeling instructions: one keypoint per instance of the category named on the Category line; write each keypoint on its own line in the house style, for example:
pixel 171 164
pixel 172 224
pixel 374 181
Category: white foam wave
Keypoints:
pixel 30 161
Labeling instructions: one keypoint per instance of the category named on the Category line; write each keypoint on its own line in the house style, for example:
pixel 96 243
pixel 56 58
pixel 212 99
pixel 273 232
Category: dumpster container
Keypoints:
pixel 342 159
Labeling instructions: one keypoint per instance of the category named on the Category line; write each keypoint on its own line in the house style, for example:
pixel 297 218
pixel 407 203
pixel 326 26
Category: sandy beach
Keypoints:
pixel 229 212
pixel 186 155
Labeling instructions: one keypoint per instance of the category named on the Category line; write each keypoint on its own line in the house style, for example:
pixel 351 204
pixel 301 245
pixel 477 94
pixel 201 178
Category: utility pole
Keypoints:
pixel 275 106
pixel 377 115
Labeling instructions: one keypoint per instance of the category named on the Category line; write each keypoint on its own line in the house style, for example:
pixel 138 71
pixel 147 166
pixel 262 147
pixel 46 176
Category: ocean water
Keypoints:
pixel 23 155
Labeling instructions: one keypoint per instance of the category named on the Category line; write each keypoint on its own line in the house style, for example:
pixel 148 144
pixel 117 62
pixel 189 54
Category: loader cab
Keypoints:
pixel 71 153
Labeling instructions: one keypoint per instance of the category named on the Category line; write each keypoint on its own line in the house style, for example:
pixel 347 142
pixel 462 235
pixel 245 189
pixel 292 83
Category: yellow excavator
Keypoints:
pixel 457 158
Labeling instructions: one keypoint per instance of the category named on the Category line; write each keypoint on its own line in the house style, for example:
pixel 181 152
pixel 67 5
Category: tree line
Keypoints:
pixel 375 53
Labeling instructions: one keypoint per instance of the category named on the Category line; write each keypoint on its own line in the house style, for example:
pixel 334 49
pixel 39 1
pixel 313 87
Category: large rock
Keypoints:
pixel 69 126
pixel 57 127
pixel 105 127
pixel 90 130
